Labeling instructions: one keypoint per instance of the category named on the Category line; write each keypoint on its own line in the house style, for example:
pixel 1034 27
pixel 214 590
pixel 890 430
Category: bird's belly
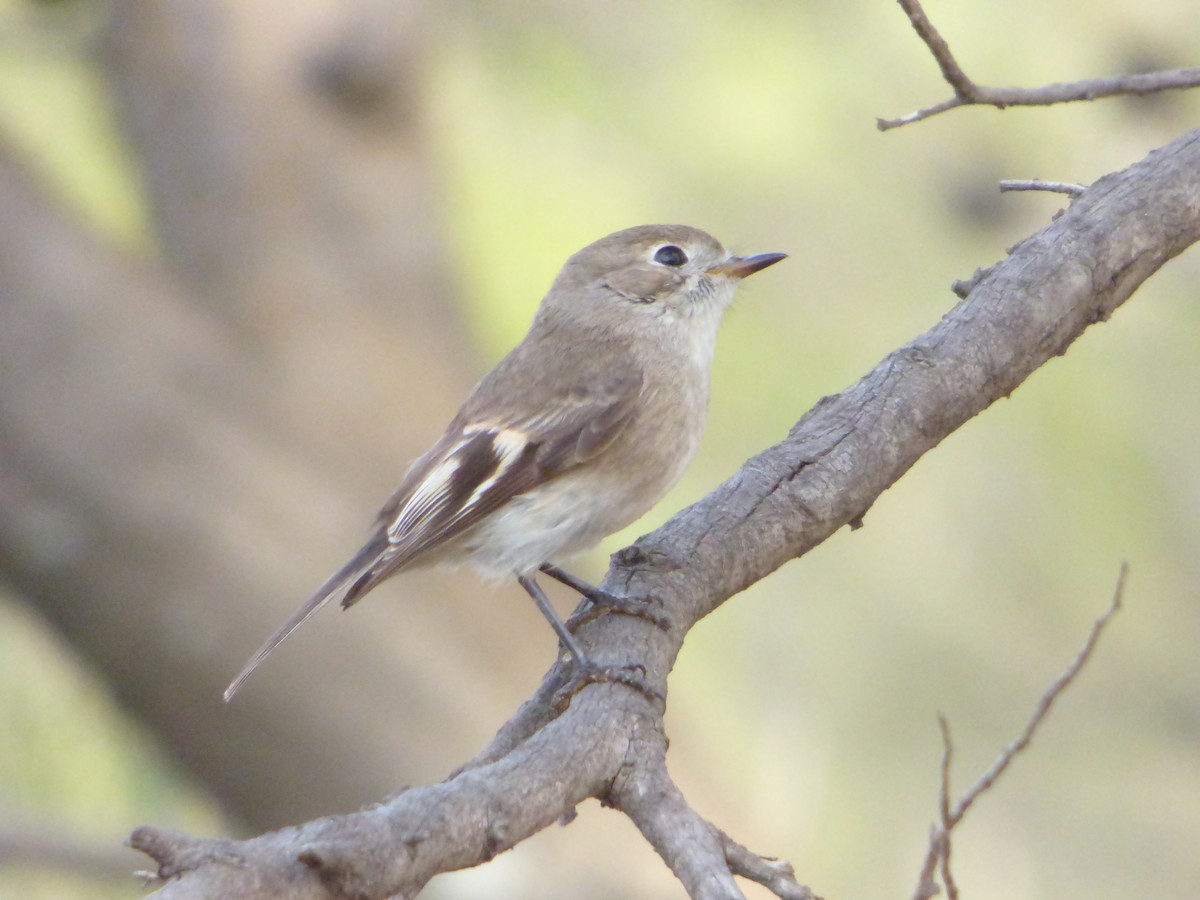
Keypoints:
pixel 554 522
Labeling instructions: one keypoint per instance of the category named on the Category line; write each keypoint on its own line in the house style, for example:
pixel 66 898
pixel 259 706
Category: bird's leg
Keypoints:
pixel 585 670
pixel 564 634
pixel 602 601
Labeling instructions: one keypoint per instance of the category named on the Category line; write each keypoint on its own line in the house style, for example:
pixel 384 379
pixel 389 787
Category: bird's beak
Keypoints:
pixel 738 267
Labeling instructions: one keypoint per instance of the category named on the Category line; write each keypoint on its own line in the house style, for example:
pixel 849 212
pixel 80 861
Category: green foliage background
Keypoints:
pixel 810 701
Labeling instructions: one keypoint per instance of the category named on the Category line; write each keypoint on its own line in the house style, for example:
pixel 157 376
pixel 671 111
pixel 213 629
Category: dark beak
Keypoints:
pixel 739 267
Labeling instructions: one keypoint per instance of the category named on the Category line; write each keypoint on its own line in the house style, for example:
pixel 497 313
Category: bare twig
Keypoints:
pixel 927 885
pixel 945 845
pixel 968 93
pixel 775 875
pixel 951 71
pixel 940 844
pixel 1044 704
pixel 1034 184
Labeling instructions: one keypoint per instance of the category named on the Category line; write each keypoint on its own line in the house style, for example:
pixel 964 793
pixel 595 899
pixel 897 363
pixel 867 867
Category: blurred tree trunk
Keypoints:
pixel 189 445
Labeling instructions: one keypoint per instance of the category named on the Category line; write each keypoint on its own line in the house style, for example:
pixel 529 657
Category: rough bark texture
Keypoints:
pixel 826 474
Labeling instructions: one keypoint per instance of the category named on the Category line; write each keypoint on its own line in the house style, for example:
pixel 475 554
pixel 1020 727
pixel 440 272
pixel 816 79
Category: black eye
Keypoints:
pixel 670 255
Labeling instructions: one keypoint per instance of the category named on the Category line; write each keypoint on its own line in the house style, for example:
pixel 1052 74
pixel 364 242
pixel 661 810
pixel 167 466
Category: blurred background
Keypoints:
pixel 253 253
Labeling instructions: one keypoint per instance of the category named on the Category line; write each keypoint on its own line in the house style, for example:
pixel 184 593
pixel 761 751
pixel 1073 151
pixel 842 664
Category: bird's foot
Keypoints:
pixel 585 672
pixel 603 602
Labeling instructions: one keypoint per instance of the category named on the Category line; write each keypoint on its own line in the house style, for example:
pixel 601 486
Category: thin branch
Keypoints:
pixel 775 875
pixel 945 844
pixel 940 843
pixel 927 885
pixel 686 842
pixel 947 759
pixel 951 70
pixel 701 856
pixel 968 93
pixel 1043 708
pixel 1034 184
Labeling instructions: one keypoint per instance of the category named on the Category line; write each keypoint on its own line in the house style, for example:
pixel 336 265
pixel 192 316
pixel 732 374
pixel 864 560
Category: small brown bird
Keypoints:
pixel 577 432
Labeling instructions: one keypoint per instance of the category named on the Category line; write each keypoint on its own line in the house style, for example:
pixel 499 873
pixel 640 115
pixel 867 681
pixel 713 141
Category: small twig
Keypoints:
pixel 1033 184
pixel 944 846
pixel 968 93
pixel 940 847
pixel 775 875
pixel 947 759
pixel 927 885
pixel 1043 707
pixel 951 70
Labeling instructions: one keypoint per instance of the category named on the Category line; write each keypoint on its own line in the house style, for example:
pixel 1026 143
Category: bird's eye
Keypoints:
pixel 670 255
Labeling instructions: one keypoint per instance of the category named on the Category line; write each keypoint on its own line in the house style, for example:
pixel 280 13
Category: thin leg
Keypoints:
pixel 585 588
pixel 603 601
pixel 585 671
pixel 543 603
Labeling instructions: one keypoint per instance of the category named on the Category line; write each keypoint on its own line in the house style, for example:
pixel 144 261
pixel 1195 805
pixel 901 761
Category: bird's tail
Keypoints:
pixel 362 562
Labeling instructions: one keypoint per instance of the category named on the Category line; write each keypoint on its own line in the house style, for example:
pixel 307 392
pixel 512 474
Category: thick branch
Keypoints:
pixel 852 446
pixel 396 847
pixel 829 470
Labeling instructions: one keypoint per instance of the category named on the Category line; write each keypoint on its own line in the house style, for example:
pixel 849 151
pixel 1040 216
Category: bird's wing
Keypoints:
pixel 482 463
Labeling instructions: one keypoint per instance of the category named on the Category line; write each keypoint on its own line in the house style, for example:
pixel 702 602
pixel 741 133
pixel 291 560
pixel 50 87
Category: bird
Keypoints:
pixel 575 434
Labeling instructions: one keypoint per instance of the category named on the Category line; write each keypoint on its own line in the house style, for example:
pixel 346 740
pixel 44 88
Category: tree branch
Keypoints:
pixel 775 875
pixel 940 841
pixel 1034 184
pixel 687 843
pixel 968 93
pixel 827 473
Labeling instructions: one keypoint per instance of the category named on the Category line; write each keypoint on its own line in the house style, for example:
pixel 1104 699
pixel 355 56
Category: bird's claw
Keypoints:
pixel 601 602
pixel 587 672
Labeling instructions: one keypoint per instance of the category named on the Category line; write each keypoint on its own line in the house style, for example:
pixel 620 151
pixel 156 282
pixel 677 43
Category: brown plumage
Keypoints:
pixel 578 431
